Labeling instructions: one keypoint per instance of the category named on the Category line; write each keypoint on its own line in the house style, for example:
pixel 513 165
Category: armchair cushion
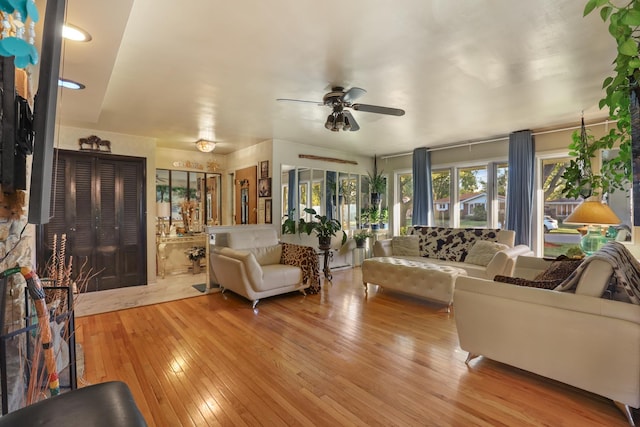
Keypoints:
pixel 306 258
pixel 267 255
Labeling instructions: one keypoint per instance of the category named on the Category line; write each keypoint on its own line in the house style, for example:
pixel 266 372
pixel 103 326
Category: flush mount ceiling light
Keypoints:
pixel 76 34
pixel 70 84
pixel 205 146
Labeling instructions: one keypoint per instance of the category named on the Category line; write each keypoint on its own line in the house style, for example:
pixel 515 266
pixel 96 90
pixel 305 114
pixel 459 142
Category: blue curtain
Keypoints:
pixel 330 191
pixel 520 185
pixel 291 193
pixel 422 188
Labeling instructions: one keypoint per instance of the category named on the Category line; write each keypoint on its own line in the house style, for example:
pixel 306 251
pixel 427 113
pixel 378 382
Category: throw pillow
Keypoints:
pixel 542 284
pixel 561 268
pixel 405 246
pixel 482 252
pixel 267 255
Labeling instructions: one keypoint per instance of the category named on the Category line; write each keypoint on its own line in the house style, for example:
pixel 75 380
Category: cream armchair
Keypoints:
pixel 255 265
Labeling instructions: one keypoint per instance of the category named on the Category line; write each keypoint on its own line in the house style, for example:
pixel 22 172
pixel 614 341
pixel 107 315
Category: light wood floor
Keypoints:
pixel 337 358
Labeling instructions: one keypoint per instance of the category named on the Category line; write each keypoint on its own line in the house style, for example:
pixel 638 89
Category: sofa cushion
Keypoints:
pixel 405 246
pixel 483 251
pixel 542 284
pixel 267 255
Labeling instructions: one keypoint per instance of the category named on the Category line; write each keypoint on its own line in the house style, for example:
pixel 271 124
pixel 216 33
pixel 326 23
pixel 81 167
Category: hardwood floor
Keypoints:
pixel 337 358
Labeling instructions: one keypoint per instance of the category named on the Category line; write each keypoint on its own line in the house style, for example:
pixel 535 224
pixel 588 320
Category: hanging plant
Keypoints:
pixel 580 181
pixel 615 173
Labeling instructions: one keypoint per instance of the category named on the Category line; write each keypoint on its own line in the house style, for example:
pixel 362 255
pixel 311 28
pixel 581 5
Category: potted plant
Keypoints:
pixel 289 224
pixel 323 227
pixel 377 187
pixel 374 217
pixel 384 217
pixel 620 89
pixel 195 254
pixel 361 237
pixel 364 217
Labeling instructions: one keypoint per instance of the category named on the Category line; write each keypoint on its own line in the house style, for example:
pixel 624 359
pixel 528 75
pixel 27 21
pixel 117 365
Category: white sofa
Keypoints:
pixel 252 265
pixel 453 249
pixel 579 339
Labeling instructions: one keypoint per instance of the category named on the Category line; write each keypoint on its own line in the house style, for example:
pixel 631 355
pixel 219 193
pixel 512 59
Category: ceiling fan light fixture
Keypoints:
pixel 339 121
pixel 347 124
pixel 329 124
pixel 205 146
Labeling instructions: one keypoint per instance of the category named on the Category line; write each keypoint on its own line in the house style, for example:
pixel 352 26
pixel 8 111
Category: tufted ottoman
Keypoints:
pixel 423 279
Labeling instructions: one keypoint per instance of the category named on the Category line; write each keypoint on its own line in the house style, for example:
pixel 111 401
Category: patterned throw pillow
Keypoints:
pixel 542 284
pixel 561 268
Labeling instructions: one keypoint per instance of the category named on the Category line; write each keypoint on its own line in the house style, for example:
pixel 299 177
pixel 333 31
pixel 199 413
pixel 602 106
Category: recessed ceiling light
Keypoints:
pixel 70 84
pixel 71 32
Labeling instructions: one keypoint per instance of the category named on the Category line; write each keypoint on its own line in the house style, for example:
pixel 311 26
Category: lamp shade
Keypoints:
pixel 592 212
pixel 163 209
pixel 205 146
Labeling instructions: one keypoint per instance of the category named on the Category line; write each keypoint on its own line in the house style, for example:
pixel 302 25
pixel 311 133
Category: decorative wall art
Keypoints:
pixel 264 187
pixel 264 169
pixel 267 211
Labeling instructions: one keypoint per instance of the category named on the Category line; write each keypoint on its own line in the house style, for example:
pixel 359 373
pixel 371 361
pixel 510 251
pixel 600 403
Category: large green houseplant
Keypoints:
pixel 323 227
pixel 615 173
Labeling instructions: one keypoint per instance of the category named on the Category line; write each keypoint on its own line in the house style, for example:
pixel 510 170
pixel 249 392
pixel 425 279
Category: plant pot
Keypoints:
pixel 375 226
pixel 360 243
pixel 324 242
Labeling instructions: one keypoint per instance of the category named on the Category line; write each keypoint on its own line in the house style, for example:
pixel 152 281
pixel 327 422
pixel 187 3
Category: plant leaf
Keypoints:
pixel 629 48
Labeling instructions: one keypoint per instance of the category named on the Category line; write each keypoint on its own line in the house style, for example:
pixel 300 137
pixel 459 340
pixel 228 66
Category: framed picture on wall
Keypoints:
pixel 267 211
pixel 264 187
pixel 264 169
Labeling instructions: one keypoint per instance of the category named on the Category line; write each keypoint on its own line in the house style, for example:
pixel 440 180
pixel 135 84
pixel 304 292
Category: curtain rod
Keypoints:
pixel 500 138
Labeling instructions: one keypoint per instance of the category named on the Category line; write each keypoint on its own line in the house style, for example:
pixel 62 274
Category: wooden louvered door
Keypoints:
pixel 99 204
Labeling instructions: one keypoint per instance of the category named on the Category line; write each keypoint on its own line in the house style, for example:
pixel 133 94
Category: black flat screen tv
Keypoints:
pixel 44 113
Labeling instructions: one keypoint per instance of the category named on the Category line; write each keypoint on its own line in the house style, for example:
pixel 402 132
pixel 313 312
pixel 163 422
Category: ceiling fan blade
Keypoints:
pixel 378 109
pixel 352 121
pixel 299 100
pixel 353 94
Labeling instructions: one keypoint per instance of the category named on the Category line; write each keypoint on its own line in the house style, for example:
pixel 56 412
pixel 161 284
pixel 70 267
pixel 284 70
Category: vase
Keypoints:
pixel 195 266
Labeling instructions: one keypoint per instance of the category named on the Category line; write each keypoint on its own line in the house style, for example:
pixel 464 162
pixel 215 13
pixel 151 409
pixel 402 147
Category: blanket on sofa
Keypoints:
pixel 626 269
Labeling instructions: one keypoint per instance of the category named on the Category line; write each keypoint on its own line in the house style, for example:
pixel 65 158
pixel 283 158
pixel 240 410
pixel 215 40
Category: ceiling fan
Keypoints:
pixel 339 99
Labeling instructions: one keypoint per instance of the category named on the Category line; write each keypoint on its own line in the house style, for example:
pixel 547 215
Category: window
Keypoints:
pixel 472 196
pixel 441 181
pixel 405 190
pixel 557 237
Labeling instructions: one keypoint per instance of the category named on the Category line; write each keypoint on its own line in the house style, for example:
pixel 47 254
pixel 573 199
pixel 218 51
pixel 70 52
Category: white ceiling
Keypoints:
pixel 462 70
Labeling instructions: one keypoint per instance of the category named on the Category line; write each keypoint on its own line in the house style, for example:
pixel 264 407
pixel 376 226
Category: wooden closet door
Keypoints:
pixel 99 203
